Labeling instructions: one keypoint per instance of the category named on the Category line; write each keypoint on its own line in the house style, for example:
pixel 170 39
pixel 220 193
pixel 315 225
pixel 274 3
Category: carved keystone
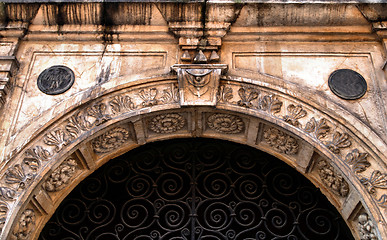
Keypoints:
pixel 198 83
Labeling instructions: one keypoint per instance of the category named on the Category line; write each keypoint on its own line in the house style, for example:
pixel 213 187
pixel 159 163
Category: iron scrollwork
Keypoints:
pixel 195 190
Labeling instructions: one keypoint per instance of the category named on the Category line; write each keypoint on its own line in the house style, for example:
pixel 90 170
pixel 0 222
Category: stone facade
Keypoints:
pixel 82 83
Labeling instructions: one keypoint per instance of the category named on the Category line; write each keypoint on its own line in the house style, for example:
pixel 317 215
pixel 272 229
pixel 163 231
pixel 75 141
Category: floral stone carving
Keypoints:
pixel 3 214
pixel 167 123
pixel 56 138
pixel 295 113
pixel 61 176
pixel 358 161
pixel 366 228
pixel 376 180
pixel 110 140
pixel 16 175
pixel 25 225
pixel 247 95
pixel 226 123
pixel 149 97
pixel 339 141
pixel 332 179
pixel 281 141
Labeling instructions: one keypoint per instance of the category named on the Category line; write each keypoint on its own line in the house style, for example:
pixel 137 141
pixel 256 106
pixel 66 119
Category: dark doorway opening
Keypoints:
pixel 195 189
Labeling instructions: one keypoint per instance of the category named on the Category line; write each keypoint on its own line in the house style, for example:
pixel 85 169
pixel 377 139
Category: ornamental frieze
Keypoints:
pixel 252 100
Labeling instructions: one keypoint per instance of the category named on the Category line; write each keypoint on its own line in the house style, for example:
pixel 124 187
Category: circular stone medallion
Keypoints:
pixel 55 80
pixel 347 84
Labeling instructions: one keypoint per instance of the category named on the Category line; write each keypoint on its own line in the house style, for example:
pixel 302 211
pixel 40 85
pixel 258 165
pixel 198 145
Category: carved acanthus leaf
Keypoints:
pixel 34 157
pixel 376 180
pixel 281 141
pixel 366 228
pixel 270 104
pixel 319 128
pixel 98 111
pixel 247 95
pixel 339 140
pixel 7 194
pixel 56 138
pixel 121 103
pixel 61 176
pixel 357 160
pixel 76 124
pixel 3 214
pixel 25 226
pixel 332 179
pixel 110 140
pixel 170 95
pixel 148 96
pixel 224 94
pixel 16 175
pixel 382 201
pixel 226 123
pixel 167 123
pixel 295 113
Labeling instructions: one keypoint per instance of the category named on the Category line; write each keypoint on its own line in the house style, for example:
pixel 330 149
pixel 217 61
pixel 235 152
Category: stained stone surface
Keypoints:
pixel 278 55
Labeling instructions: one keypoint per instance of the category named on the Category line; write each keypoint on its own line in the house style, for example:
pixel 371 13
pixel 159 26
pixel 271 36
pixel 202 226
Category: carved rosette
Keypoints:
pixel 198 83
pixel 61 176
pixel 167 123
pixel 226 123
pixel 332 179
pixel 25 225
pixel 366 228
pixel 281 141
pixel 110 140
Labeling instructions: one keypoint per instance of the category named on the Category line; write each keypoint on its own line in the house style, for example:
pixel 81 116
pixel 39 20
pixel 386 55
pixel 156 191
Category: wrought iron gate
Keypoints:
pixel 195 189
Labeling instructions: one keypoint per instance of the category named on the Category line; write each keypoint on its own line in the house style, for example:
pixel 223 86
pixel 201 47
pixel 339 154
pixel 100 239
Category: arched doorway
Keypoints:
pixel 195 189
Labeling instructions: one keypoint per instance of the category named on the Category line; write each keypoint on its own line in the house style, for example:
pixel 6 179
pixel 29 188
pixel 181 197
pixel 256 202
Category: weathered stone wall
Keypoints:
pixel 248 72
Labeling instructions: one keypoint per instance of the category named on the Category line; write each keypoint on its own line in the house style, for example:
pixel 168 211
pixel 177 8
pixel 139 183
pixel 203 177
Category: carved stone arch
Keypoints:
pixel 330 154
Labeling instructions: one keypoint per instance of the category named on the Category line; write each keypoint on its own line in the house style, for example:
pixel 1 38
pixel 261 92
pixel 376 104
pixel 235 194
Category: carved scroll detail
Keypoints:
pixel 281 141
pixel 332 179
